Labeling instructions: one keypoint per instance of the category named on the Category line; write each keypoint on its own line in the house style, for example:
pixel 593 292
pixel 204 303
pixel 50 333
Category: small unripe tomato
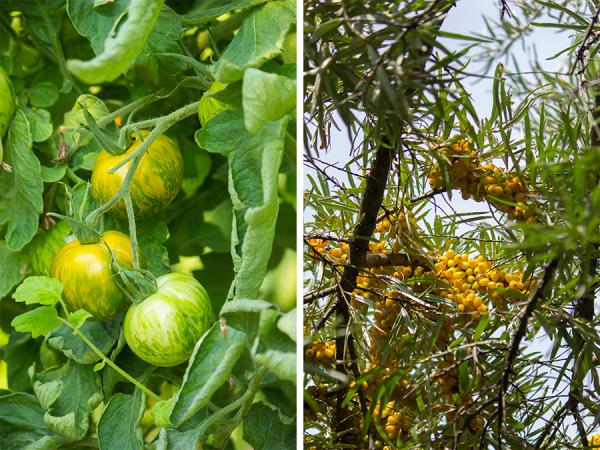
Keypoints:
pixel 86 274
pixel 164 328
pixel 156 181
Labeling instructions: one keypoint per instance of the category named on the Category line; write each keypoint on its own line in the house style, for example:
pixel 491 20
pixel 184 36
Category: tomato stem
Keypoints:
pixel 162 125
pixel 114 366
pixel 104 358
pixel 132 230
pixel 244 402
pixel 123 111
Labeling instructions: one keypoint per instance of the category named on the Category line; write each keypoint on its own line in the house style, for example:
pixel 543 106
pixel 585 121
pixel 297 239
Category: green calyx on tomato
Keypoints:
pixel 156 181
pixel 7 102
pixel 163 329
pixel 85 270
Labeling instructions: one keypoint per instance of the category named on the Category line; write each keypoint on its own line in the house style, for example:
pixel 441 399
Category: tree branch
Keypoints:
pixel 359 245
pixel 524 316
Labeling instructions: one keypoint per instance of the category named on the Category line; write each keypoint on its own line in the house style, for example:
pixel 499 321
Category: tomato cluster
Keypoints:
pixel 164 327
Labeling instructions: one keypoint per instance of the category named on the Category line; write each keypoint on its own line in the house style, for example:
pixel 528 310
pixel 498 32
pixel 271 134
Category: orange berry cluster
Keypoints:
pixel 317 246
pixel 394 419
pixel 463 164
pixel 469 278
pixel 488 181
pixel 321 352
pixel 461 273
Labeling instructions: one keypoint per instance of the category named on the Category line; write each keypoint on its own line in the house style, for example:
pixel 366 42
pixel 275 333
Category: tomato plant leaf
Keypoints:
pixel 54 173
pixel 75 134
pixel 40 124
pixel 23 186
pixel 78 318
pixel 282 364
pixel 209 10
pixel 152 234
pixel 39 289
pixel 259 39
pixel 43 95
pixel 209 368
pixel 98 23
pixel 244 315
pixel 119 423
pixel 39 321
pixel 22 423
pixel 254 162
pixel 276 351
pixel 184 436
pixel 196 166
pixel 40 252
pixel 121 50
pixel 95 22
pixel 287 324
pixel 70 393
pixel 103 334
pixel 11 273
pixel 267 97
pixel 20 354
pixel 264 429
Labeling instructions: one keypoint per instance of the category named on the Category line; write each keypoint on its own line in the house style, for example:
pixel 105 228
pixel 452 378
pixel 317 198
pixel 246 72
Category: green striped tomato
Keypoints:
pixel 86 274
pixel 155 183
pixel 7 102
pixel 164 328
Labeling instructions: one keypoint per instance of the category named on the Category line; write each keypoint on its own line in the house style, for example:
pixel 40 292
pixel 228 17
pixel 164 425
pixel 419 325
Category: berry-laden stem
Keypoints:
pixel 132 230
pixel 162 125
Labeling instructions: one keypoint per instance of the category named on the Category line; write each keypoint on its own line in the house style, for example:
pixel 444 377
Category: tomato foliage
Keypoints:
pixel 147 256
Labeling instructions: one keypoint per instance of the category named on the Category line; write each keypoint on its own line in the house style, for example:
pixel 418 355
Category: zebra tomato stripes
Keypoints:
pixel 164 328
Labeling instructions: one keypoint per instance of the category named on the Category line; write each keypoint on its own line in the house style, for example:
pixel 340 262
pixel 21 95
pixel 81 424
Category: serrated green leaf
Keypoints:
pixel 22 423
pixel 264 429
pixel 69 411
pixel 254 162
pixel 38 322
pixel 39 289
